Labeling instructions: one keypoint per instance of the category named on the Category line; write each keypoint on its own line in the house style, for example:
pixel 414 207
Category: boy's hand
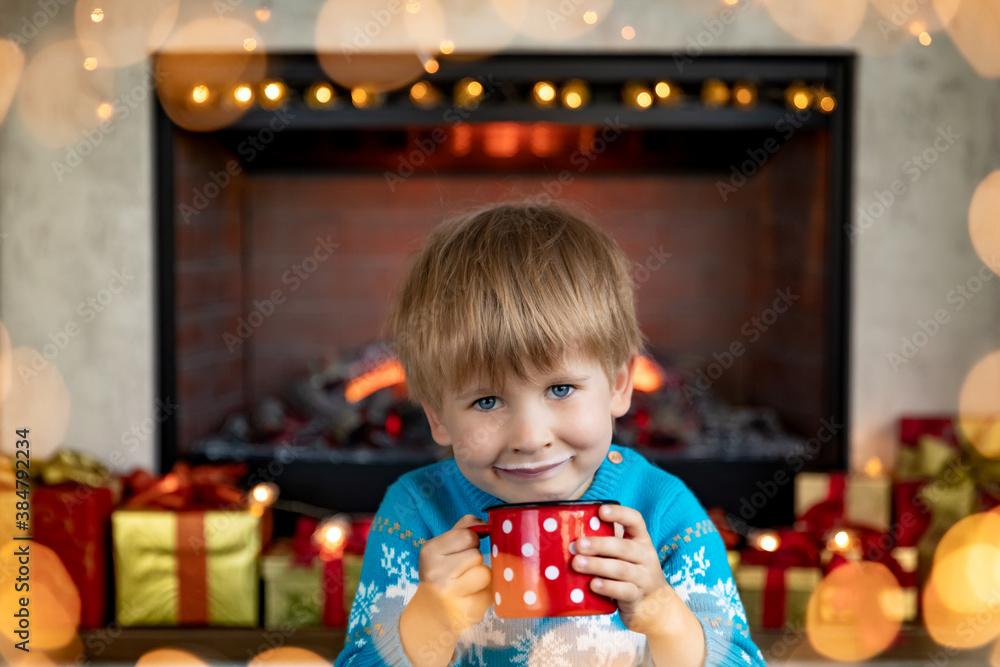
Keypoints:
pixel 627 569
pixel 454 582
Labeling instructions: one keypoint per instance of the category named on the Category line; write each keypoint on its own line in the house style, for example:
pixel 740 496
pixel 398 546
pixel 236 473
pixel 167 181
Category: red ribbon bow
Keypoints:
pixel 204 487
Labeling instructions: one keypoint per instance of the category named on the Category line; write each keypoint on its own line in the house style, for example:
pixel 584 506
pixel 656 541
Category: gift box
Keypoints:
pixel 71 502
pixel 318 580
pixel 775 597
pixel 824 500
pixel 294 592
pixel 869 545
pixel 941 479
pixel 775 586
pixel 73 520
pixel 191 568
pixel 186 550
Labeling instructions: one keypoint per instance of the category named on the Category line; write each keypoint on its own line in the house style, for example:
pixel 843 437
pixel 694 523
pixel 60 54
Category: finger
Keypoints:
pixel 612 547
pixel 607 568
pixel 442 569
pixel 469 520
pixel 459 538
pixel 624 591
pixel 630 519
pixel 472 581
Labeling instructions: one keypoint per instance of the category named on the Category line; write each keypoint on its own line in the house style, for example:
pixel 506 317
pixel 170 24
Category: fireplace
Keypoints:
pixel 282 235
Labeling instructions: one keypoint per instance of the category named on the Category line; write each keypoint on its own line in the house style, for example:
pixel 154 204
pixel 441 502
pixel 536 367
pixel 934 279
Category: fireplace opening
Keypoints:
pixel 284 234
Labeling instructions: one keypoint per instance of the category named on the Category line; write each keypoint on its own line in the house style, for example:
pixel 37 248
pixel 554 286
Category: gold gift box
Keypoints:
pixel 190 568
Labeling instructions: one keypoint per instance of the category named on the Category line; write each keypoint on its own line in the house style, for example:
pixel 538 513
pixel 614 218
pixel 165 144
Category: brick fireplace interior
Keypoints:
pixel 291 256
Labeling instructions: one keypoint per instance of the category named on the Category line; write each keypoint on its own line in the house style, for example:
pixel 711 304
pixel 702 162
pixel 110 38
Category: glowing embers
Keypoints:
pixel 386 374
pixel 648 375
pixel 501 140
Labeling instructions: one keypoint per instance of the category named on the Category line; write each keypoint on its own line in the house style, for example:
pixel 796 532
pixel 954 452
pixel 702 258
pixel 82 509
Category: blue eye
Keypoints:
pixel 487 403
pixel 561 390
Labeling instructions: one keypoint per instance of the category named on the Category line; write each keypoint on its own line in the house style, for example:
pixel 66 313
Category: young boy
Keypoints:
pixel 516 329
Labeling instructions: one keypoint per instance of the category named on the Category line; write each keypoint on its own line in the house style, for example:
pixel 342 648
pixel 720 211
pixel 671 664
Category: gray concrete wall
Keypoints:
pixel 65 237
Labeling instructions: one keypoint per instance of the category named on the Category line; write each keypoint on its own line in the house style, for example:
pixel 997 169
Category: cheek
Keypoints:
pixel 589 423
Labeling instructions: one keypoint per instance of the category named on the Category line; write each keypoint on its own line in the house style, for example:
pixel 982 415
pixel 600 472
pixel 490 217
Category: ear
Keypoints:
pixel 621 387
pixel 438 430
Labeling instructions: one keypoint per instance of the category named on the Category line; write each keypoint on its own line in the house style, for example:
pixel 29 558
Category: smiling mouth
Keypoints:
pixel 531 470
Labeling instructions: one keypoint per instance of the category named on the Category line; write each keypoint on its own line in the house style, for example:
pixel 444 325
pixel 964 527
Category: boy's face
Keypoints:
pixel 539 440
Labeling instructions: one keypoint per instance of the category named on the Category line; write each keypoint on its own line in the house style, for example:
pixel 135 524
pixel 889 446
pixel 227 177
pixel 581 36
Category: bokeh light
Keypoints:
pixel 982 528
pixel 984 221
pixel 823 22
pixel 952 628
pixel 544 93
pixel 200 94
pixel 6 363
pixel 424 95
pixel 11 68
pixel 628 32
pixel 55 601
pixel 552 20
pixel 207 52
pixel 57 96
pixel 918 16
pixel 974 27
pixel 979 404
pixel 37 399
pixel 287 656
pixel 320 95
pixel 358 52
pixel 968 579
pixel 714 93
pixel 169 657
pixel 853 613
pixel 126 31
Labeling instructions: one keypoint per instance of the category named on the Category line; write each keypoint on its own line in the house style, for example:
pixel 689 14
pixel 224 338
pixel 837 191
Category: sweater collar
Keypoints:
pixel 606 485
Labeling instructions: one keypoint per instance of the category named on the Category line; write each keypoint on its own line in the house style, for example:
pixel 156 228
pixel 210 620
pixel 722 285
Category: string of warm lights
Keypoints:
pixel 330 535
pixel 468 93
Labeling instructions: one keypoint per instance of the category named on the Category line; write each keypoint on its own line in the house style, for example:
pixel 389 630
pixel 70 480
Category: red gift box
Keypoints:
pixel 335 603
pixel 73 520
pixel 912 428
pixel 775 585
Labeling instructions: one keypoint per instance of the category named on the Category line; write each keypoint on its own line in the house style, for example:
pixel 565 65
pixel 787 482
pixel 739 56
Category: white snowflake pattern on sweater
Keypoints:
pixel 692 555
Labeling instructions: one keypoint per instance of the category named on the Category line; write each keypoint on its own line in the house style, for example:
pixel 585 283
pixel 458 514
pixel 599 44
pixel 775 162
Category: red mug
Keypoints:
pixel 532 546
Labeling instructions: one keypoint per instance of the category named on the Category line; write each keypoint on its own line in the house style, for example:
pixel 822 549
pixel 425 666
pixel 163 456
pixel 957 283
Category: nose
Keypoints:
pixel 530 432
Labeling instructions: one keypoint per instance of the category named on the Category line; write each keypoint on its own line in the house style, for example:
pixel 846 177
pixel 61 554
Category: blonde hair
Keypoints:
pixel 506 288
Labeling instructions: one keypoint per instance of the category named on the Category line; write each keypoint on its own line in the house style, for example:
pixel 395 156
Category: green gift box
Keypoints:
pixel 189 568
pixel 293 591
pixel 776 597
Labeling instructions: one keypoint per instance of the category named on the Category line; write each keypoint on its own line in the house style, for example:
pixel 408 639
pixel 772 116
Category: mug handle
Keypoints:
pixel 482 530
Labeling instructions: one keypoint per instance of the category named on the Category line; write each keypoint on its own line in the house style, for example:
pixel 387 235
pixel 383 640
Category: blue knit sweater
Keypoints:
pixel 427 502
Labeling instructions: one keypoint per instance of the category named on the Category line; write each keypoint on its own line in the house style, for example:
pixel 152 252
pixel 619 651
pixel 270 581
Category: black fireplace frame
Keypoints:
pixel 358 492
